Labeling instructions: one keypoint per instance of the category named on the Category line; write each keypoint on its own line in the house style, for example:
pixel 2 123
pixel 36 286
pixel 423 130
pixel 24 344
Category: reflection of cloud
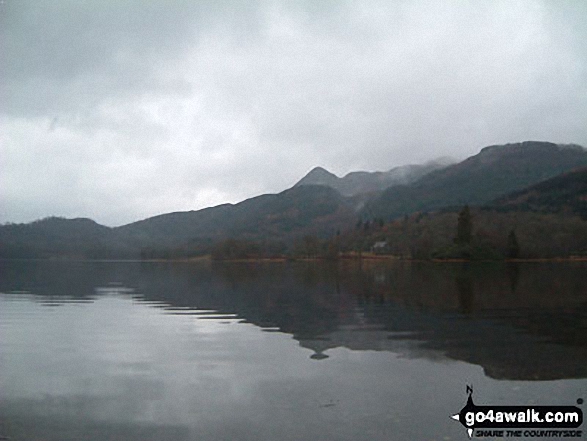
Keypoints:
pixel 421 311
pixel 165 363
pixel 52 419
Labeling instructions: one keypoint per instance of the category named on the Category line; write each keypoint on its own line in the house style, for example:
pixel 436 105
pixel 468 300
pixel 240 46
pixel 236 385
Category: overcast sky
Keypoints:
pixel 120 110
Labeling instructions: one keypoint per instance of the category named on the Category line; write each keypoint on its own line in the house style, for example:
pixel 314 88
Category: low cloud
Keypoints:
pixel 122 110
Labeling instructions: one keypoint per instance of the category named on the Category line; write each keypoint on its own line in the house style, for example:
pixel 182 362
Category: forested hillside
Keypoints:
pixel 566 193
pixel 532 193
pixel 494 172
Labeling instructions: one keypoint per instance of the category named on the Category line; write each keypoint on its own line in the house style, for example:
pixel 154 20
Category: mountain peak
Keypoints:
pixel 362 182
pixel 318 176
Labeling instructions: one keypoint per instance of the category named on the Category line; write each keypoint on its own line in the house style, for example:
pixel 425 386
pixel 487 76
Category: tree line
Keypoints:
pixel 471 234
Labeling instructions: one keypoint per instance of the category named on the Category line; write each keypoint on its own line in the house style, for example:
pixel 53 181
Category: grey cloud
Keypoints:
pixel 61 55
pixel 121 110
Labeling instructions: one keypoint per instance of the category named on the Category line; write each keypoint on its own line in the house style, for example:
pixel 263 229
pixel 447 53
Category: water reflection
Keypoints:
pixel 161 351
pixel 517 321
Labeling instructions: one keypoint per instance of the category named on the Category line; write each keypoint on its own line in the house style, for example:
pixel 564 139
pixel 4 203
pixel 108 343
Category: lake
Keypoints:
pixel 282 351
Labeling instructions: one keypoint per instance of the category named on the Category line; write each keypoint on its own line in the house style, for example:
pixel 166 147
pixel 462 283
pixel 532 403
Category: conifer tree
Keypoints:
pixel 464 227
pixel 513 247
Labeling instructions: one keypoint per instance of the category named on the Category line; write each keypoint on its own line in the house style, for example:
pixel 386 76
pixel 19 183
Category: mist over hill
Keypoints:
pixel 493 172
pixel 321 205
pixel 358 182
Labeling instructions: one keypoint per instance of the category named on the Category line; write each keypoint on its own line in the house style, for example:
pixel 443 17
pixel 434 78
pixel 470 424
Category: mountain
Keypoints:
pixel 566 193
pixel 302 210
pixel 306 210
pixel 493 172
pixel 54 236
pixel 316 207
pixel 360 182
pixel 319 176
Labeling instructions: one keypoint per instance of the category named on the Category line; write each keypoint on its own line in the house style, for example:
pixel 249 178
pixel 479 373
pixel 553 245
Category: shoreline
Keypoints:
pixel 283 259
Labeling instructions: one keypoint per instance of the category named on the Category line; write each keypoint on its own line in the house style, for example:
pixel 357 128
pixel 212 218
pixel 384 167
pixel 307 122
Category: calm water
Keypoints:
pixel 161 351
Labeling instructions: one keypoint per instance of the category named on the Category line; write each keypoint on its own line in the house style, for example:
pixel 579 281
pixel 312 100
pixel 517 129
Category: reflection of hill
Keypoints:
pixel 502 350
pixel 518 322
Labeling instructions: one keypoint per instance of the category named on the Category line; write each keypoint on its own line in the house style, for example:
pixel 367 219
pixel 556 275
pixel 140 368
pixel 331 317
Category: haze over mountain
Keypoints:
pixel 121 110
pixel 494 171
pixel 320 210
pixel 367 182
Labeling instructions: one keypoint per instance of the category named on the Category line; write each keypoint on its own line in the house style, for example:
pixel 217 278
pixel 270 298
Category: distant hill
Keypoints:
pixel 54 236
pixel 498 176
pixel 359 182
pixel 311 210
pixel 302 210
pixel 566 193
pixel 495 171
